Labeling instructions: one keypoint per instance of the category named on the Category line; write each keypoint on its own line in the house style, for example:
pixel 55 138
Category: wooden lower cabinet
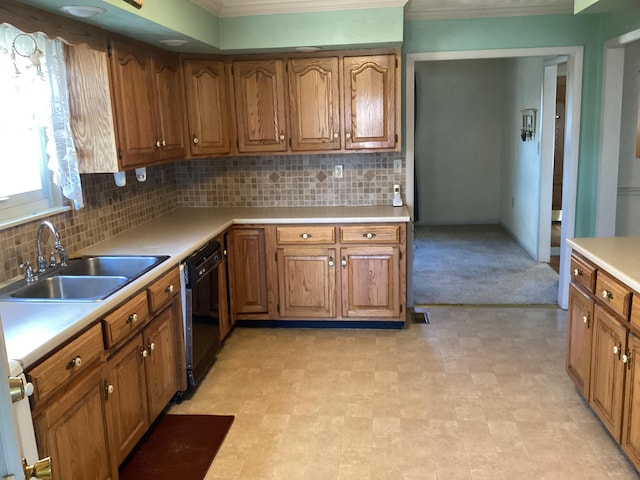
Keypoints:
pixel 307 282
pixel 345 272
pixel 370 281
pixel 631 421
pixel 127 403
pixel 247 271
pixel 72 431
pixel 579 336
pixel 144 377
pixel 607 369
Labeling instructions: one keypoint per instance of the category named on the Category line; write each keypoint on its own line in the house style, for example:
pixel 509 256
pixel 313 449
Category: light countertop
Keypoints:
pixel 32 329
pixel 619 256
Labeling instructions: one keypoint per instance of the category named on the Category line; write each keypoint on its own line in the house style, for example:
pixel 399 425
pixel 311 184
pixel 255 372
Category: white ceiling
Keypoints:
pixel 414 9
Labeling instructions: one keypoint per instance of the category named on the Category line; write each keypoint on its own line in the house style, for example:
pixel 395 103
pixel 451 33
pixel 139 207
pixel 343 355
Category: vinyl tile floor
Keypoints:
pixel 478 394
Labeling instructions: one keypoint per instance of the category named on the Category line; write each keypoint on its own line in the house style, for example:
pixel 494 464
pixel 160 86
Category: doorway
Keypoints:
pixel 574 78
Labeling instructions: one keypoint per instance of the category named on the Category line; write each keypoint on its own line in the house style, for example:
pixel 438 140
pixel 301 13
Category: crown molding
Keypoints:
pixel 242 8
pixel 420 10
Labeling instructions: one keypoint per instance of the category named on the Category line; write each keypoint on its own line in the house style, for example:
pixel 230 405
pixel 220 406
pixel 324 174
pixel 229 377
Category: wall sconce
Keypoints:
pixel 528 124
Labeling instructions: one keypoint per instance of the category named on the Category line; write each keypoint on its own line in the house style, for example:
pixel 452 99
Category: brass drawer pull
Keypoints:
pixel 369 235
pixel 169 289
pixel 577 272
pixel 305 235
pixel 133 318
pixel 607 294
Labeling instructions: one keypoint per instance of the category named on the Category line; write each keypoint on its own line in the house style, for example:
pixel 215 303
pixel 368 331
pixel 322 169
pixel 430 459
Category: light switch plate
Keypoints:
pixel 337 171
pixel 397 166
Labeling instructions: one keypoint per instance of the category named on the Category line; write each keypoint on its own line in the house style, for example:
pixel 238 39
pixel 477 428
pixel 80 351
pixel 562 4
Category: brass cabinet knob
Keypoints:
pixel 585 319
pixel 169 289
pixel 195 140
pixel 607 294
pixel 577 272
pixel 335 135
pixel 158 144
pixel 348 135
pixel 41 469
pixel 331 262
pixel 305 235
pixel 133 318
pixel 282 136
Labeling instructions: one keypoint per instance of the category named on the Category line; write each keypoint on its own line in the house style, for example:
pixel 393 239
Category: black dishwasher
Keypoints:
pixel 202 309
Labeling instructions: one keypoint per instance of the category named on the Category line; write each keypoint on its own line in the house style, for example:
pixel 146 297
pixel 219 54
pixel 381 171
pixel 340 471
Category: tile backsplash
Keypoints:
pixel 289 181
pixel 301 180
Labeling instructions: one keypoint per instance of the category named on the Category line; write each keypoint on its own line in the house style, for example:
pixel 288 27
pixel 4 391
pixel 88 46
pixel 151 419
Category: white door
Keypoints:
pixel 10 458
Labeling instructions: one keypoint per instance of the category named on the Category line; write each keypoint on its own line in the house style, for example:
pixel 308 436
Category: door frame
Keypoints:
pixel 574 56
pixel 611 122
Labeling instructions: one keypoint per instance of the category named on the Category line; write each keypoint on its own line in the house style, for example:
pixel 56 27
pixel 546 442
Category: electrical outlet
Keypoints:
pixel 337 171
pixel 397 166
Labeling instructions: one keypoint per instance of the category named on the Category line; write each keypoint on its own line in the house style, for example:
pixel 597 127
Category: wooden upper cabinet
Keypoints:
pixel 260 105
pixel 149 105
pixel 314 108
pixel 207 107
pixel 370 102
pixel 167 83
pixel 131 73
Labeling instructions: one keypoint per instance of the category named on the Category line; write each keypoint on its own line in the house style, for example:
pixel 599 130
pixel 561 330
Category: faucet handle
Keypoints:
pixel 52 260
pixel 62 252
pixel 29 274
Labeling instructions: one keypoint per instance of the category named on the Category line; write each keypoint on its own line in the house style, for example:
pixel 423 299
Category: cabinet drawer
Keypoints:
pixel 370 233
pixel 583 272
pixel 611 292
pixel 125 319
pixel 300 234
pixel 67 363
pixel 163 290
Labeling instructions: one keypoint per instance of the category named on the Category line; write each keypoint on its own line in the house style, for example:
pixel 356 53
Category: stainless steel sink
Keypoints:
pixel 91 278
pixel 124 265
pixel 64 287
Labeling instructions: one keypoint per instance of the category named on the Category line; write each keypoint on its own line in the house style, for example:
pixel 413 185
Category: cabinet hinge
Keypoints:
pixel 109 51
pixel 120 153
pixel 396 137
pixel 400 308
pixel 238 144
pixel 396 63
pixel 231 69
pixel 278 308
pixel 286 67
pixel 400 255
pixel 276 255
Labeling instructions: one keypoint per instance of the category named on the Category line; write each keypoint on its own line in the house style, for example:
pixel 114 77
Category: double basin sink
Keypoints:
pixel 90 278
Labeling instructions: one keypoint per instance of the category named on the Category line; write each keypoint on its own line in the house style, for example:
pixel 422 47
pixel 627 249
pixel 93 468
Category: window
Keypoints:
pixel 37 156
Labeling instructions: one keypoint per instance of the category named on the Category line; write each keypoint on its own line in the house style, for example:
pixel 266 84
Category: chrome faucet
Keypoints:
pixel 57 245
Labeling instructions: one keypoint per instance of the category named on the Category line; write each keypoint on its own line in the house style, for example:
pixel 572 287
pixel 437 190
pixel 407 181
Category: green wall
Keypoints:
pixel 331 30
pixel 540 31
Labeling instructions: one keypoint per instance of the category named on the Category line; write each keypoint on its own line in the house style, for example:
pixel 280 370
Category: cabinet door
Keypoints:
pixel 607 370
pixel 631 423
pixel 314 104
pixel 370 101
pixel 207 107
pixel 370 281
pixel 578 363
pixel 72 431
pixel 127 404
pixel 161 364
pixel 260 105
pixel 247 270
pixel 169 101
pixel 134 104
pixel 307 282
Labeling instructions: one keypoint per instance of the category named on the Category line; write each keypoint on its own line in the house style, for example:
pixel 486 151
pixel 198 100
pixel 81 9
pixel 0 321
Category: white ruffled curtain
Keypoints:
pixel 39 79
